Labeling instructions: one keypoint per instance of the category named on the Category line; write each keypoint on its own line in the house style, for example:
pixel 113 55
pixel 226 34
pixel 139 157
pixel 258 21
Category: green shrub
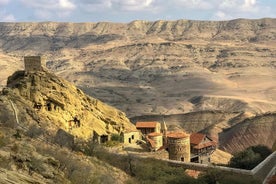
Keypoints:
pixel 116 137
pixel 111 143
pixel 155 171
pixel 250 157
pixel 214 176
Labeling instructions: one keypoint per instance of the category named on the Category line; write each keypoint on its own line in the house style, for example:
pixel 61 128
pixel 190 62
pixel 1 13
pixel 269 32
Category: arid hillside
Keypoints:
pixel 233 131
pixel 46 130
pixel 49 106
pixel 30 160
pixel 207 76
pixel 162 67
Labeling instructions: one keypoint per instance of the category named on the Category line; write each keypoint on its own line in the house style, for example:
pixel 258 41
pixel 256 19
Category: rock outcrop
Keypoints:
pixel 42 119
pixel 44 101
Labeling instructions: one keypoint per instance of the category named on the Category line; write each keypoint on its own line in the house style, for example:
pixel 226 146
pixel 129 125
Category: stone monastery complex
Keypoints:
pixel 194 147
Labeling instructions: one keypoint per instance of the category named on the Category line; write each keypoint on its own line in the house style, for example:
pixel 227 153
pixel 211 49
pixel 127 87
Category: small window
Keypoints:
pixel 132 137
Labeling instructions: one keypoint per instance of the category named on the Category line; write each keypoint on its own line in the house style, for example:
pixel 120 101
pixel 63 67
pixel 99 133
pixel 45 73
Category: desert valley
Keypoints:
pixel 215 78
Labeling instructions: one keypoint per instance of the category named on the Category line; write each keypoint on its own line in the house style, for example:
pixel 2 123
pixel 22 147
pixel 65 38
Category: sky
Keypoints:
pixel 129 10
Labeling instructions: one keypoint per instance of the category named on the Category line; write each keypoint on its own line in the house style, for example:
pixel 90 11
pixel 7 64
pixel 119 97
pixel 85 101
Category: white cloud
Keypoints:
pixel 147 9
pixel 3 2
pixel 220 15
pixel 194 4
pixel 5 17
pixel 117 5
pixel 132 5
pixel 46 9
pixel 249 3
pixel 95 6
pixel 238 6
pixel 66 4
pixel 50 4
pixel 230 9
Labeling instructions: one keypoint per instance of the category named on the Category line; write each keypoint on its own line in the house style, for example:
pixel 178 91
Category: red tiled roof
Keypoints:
pixel 204 145
pixel 177 135
pixel 146 124
pixel 152 143
pixel 154 134
pixel 196 138
pixel 192 173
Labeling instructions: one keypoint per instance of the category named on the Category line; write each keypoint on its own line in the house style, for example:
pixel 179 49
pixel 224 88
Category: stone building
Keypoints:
pixel 130 137
pixel 201 148
pixel 179 146
pixel 100 136
pixel 155 140
pixel 33 63
pixel 148 127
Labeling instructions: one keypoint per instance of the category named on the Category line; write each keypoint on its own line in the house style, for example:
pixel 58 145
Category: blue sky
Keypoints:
pixel 129 10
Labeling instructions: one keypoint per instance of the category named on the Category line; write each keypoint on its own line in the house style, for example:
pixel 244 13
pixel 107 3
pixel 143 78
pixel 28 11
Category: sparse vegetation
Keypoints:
pixel 3 140
pixel 116 137
pixel 151 73
pixel 149 171
pixel 250 157
pixel 214 176
pixel 34 131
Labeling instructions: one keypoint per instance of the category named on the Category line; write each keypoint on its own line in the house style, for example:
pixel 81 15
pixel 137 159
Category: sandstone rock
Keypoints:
pixel 42 99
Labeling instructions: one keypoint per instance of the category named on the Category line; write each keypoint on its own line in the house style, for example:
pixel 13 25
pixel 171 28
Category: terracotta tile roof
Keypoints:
pixel 151 142
pixel 146 124
pixel 153 134
pixel 192 173
pixel 177 135
pixel 196 138
pixel 204 145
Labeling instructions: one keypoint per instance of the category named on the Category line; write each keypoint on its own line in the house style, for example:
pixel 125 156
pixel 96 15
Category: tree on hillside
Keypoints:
pixel 250 157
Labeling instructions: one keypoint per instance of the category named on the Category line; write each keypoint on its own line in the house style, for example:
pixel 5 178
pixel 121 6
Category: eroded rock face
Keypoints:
pixel 259 130
pixel 42 99
pixel 155 67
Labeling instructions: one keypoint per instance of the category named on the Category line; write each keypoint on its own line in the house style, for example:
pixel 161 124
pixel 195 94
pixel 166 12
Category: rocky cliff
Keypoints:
pixel 45 101
pixel 43 118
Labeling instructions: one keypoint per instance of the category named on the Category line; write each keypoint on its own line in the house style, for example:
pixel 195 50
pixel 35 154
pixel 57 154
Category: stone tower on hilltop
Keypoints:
pixel 33 63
